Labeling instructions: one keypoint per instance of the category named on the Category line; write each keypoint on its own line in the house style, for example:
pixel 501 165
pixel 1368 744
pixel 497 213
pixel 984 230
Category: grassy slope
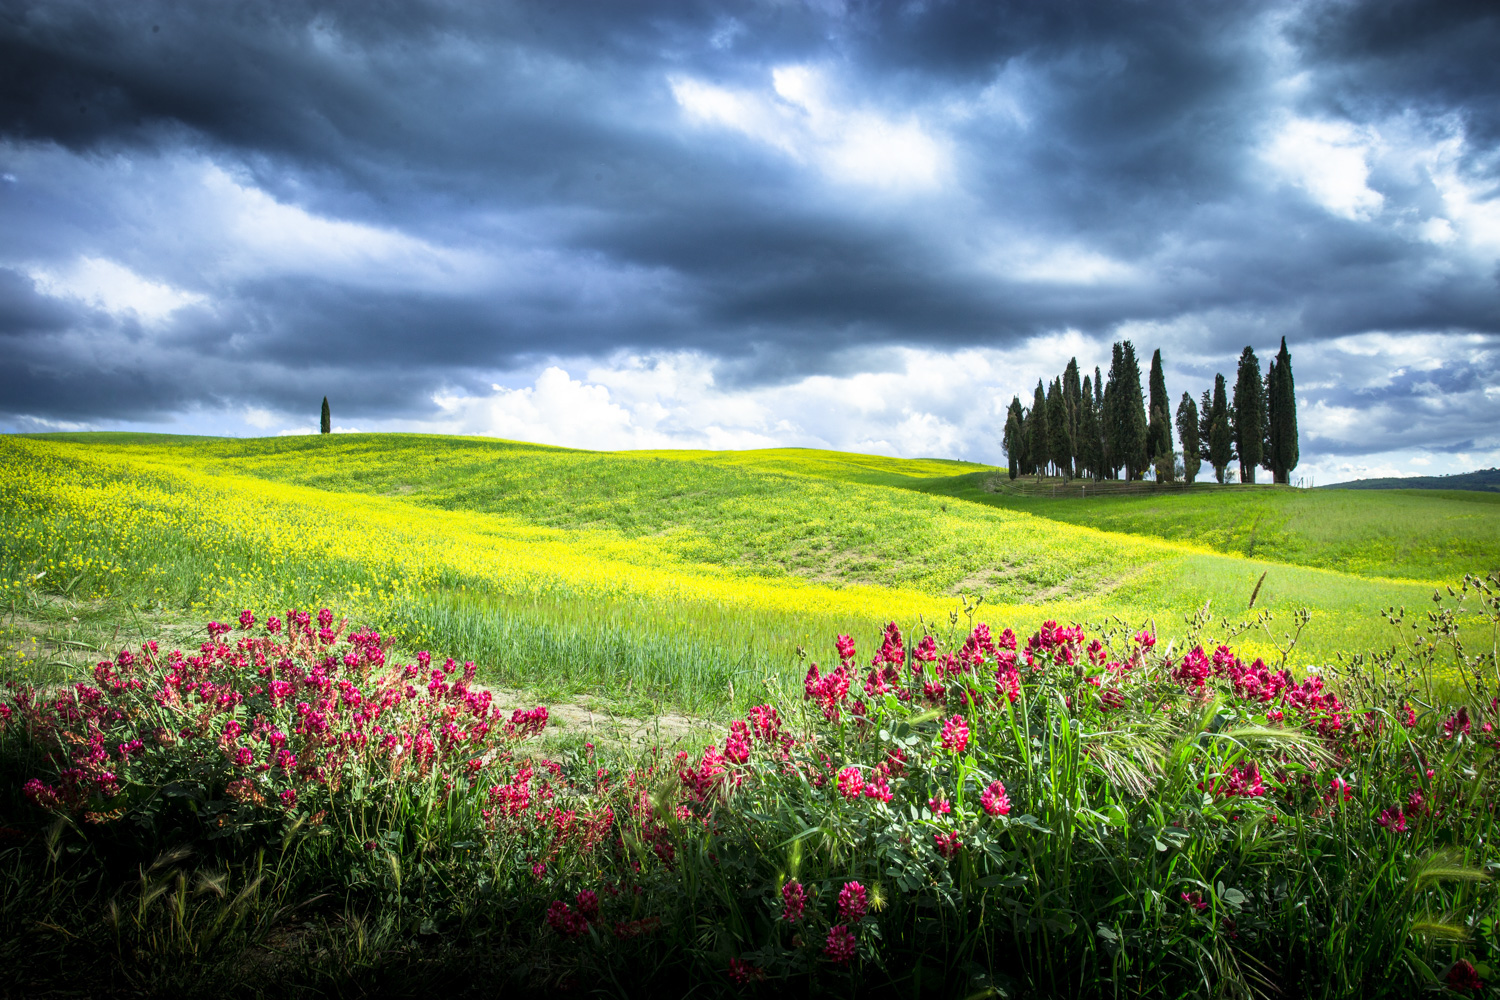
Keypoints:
pixel 832 521
pixel 1481 479
pixel 1427 535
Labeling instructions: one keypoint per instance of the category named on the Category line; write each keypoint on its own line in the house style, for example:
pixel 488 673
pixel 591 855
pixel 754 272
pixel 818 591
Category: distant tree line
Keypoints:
pixel 1104 427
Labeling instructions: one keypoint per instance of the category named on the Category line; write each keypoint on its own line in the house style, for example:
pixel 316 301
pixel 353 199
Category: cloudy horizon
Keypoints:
pixel 860 226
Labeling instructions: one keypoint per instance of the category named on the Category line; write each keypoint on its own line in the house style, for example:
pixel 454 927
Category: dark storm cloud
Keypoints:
pixel 24 313
pixel 522 129
pixel 1392 55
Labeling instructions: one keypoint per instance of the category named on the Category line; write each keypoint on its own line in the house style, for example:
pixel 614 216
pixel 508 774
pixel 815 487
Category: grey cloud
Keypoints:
pixel 512 130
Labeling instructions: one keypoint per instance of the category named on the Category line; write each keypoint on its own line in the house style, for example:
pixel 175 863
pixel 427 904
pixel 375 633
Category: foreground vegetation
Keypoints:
pixel 288 809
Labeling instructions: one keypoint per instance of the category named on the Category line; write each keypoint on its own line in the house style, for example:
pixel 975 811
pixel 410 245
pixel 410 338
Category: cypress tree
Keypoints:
pixel 325 425
pixel 1101 456
pixel 1159 426
pixel 1249 416
pixel 1041 437
pixel 1114 445
pixel 1205 420
pixel 1132 415
pixel 1088 433
pixel 1023 448
pixel 1220 437
pixel 1073 401
pixel 1281 412
pixel 1159 433
pixel 1059 441
pixel 1014 438
pixel 1187 429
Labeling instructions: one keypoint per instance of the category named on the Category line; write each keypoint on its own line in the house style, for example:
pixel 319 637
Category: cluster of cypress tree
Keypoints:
pixel 1105 428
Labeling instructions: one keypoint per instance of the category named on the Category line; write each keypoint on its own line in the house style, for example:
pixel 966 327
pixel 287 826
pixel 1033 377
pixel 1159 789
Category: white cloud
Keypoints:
pixel 105 284
pixel 932 404
pixel 261 418
pixel 1326 470
pixel 1059 264
pixel 1472 207
pixel 260 234
pixel 1330 161
pixel 800 118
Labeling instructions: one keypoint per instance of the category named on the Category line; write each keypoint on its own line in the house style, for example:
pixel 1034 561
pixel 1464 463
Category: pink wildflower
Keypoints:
pixel 1195 900
pixel 737 743
pixel 794 901
pixel 851 782
pixel 845 647
pixel 947 844
pixel 994 800
pixel 289 798
pixel 1463 976
pixel 955 735
pixel 1457 724
pixel 1393 820
pixel 840 946
pixel 939 804
pixel 742 972
pixel 852 903
pixel 562 919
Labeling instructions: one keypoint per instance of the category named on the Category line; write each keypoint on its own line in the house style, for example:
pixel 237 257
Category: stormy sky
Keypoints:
pixel 791 222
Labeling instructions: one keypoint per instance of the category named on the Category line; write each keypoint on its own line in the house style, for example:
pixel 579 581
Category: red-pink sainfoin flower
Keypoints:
pixel 794 902
pixel 852 903
pixel 947 844
pixel 743 972
pixel 994 800
pixel 1393 820
pixel 851 782
pixel 840 946
pixel 955 737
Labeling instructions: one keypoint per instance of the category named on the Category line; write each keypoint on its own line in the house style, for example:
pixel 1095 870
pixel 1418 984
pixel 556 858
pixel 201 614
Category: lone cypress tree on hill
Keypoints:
pixel 1282 452
pixel 1249 415
pixel 1187 429
pixel 325 425
pixel 1220 436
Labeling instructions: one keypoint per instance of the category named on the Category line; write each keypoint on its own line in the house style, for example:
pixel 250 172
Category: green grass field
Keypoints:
pixel 678 577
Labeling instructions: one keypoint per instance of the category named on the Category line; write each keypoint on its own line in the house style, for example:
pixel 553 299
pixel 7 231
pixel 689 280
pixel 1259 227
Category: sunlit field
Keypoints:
pixel 671 576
